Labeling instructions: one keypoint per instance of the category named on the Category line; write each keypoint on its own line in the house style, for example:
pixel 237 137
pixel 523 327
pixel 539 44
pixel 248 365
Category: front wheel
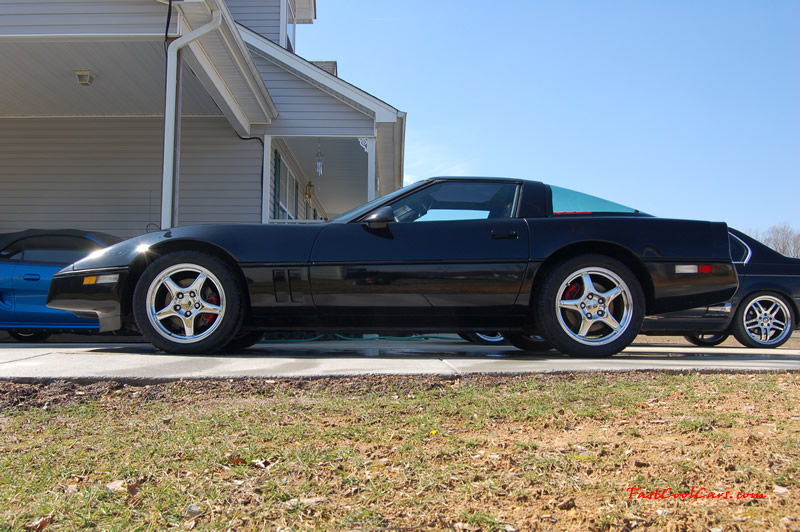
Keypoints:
pixel 29 336
pixel 763 319
pixel 188 302
pixel 590 306
pixel 706 340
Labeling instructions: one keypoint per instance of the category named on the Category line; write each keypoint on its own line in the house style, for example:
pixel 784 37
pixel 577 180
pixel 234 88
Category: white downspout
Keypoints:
pixel 170 114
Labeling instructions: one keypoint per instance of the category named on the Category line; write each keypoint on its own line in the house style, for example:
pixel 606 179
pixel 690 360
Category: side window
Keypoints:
pixel 12 252
pixel 739 251
pixel 457 200
pixel 566 201
pixel 57 249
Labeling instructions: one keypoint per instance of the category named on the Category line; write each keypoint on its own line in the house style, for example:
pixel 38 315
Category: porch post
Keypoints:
pixel 369 146
pixel 266 204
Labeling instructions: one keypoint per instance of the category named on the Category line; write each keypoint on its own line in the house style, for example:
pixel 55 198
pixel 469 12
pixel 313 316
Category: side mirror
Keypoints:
pixel 380 218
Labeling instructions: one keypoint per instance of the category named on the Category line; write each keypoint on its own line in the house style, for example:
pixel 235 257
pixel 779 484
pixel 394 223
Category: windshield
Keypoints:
pixel 365 208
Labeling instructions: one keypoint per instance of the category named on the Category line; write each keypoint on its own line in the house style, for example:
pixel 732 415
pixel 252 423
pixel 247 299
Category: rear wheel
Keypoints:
pixel 590 306
pixel 29 336
pixel 530 343
pixel 763 319
pixel 188 302
pixel 484 338
pixel 706 340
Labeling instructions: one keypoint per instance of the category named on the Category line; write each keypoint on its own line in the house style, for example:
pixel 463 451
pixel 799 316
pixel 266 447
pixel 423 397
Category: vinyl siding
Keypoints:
pixel 261 16
pixel 105 174
pixel 304 109
pixel 70 17
pixel 220 175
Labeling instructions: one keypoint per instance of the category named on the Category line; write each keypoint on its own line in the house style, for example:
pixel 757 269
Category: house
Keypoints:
pixel 128 116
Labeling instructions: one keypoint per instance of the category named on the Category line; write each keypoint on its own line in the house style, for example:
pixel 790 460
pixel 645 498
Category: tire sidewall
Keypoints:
pixel 699 342
pixel 740 331
pixel 232 318
pixel 545 301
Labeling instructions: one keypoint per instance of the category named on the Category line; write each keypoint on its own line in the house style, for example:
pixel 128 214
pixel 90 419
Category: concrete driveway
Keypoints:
pixel 141 363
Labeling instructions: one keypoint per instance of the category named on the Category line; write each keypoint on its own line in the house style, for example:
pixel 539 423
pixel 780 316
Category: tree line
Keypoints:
pixel 782 238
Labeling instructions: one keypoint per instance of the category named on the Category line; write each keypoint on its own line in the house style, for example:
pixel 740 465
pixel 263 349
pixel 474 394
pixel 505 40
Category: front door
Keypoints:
pixel 455 253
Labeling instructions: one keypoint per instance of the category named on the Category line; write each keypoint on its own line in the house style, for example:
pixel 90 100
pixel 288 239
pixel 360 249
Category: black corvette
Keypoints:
pixel 445 254
pixel 762 313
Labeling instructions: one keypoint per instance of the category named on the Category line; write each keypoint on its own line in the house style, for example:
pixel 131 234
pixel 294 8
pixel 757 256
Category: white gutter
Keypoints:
pixel 170 114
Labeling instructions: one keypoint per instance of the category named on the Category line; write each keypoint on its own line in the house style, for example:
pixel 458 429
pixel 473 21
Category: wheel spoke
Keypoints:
pixel 585 326
pixel 611 294
pixel 210 308
pixel 170 285
pixel 773 310
pixel 198 283
pixel 609 320
pixel 166 312
pixel 588 285
pixel 188 326
pixel 571 304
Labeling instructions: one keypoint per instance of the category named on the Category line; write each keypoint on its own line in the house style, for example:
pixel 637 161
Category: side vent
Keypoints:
pixel 288 284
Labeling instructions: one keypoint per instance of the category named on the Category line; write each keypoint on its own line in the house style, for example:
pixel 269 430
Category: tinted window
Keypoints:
pixel 567 201
pixel 57 249
pixel 457 200
pixel 12 252
pixel 739 251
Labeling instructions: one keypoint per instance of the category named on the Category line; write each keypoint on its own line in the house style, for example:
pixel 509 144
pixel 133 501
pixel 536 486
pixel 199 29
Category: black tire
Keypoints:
pixel 529 343
pixel 30 337
pixel 484 338
pixel 580 301
pixel 244 340
pixel 188 302
pixel 763 319
pixel 706 340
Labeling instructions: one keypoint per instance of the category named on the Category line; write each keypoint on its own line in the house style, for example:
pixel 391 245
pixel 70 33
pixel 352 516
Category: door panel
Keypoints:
pixel 420 269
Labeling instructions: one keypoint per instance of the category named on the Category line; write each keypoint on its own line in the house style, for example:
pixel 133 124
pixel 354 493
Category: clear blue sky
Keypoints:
pixel 683 109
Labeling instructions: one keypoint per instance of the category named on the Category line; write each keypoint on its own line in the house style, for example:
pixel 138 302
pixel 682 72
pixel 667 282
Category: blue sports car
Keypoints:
pixel 28 260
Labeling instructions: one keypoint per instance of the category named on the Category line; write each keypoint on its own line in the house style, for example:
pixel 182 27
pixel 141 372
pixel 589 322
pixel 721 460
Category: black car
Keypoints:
pixel 28 260
pixel 443 255
pixel 762 313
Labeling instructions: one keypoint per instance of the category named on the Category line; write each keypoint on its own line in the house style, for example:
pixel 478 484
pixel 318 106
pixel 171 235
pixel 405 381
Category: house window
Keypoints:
pixel 285 192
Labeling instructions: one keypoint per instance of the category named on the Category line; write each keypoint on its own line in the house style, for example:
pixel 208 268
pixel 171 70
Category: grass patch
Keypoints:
pixel 480 453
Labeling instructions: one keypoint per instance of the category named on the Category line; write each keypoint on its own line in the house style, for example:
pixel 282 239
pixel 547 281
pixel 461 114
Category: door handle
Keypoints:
pixel 31 277
pixel 505 236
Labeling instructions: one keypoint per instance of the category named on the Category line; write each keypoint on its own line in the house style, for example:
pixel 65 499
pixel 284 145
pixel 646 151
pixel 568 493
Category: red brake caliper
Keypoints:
pixel 571 291
pixel 209 318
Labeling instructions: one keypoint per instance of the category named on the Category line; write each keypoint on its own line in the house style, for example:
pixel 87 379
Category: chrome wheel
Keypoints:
pixel 594 306
pixel 185 303
pixel 766 320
